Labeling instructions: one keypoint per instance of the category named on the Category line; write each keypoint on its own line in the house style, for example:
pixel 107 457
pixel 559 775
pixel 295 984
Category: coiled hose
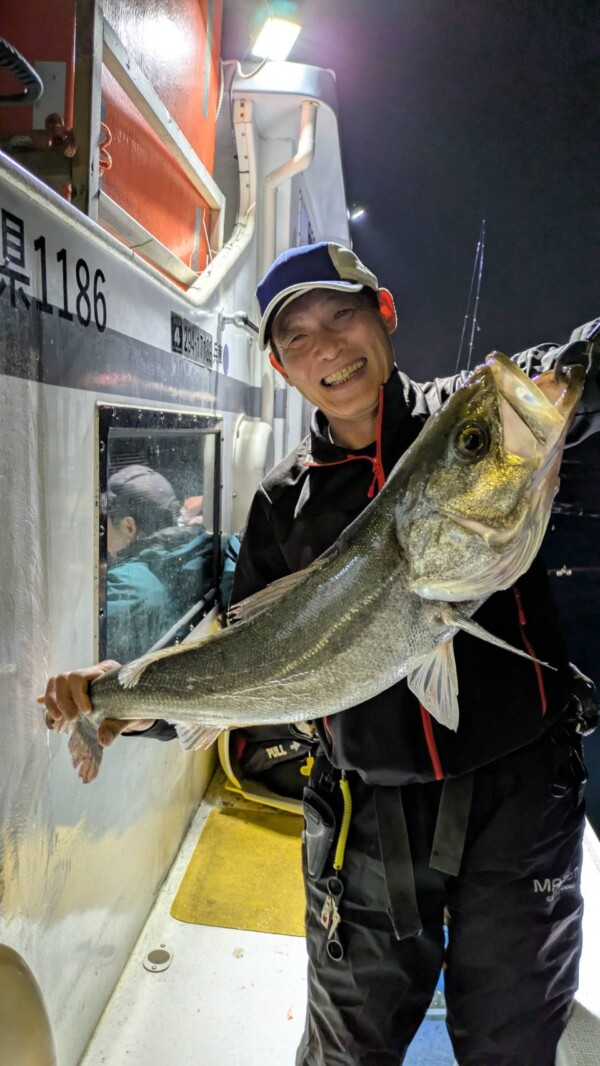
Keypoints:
pixel 18 65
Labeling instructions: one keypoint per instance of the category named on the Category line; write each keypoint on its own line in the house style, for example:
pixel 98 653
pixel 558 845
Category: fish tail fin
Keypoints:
pixel 196 736
pixel 85 750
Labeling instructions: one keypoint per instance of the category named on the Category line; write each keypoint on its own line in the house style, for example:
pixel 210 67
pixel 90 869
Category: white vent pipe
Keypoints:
pixel 301 161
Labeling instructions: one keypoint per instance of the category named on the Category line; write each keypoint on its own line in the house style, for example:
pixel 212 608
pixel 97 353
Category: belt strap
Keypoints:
pixel 397 862
pixel 451 824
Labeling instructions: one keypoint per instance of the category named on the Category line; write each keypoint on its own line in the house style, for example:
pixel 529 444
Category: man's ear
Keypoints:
pixel 274 361
pixel 129 528
pixel 387 309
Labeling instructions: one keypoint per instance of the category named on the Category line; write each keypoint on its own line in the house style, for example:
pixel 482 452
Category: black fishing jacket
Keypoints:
pixel 505 701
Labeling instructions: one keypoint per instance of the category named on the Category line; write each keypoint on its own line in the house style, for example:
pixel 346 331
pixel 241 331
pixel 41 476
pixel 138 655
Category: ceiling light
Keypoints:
pixel 356 213
pixel 276 39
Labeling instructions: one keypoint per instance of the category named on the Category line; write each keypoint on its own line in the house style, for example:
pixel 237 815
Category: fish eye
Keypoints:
pixel 471 441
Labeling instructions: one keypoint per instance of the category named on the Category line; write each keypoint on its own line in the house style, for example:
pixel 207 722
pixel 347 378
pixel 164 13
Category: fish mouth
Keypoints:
pixel 541 406
pixel 340 377
pixel 536 412
pixel 562 386
pixel 535 418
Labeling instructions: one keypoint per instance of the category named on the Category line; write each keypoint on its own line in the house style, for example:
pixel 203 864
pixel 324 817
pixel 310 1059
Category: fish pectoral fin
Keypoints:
pixel 453 617
pixel 256 604
pixel 434 682
pixel 85 750
pixel 196 736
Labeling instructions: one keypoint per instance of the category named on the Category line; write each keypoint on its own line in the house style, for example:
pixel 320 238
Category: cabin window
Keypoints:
pixel 159 537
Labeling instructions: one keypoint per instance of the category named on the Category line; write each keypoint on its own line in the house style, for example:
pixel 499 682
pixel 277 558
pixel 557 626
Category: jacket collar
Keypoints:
pixel 323 450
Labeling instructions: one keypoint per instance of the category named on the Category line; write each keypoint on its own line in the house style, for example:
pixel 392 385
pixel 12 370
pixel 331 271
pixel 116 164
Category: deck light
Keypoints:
pixel 276 39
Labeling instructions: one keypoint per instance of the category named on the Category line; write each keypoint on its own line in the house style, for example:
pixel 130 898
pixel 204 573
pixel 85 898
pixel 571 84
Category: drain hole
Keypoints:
pixel 158 959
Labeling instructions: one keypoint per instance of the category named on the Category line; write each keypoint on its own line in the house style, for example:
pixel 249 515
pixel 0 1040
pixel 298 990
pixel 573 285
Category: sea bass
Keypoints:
pixel 462 515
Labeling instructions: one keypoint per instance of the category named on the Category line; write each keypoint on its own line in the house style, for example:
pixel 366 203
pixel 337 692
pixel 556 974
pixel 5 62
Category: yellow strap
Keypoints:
pixel 338 861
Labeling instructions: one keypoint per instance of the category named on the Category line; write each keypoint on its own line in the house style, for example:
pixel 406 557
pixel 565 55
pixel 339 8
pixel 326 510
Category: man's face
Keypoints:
pixel 119 535
pixel 335 349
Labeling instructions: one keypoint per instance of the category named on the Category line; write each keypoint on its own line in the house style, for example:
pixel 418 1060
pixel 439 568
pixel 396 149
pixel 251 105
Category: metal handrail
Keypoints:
pixel 198 611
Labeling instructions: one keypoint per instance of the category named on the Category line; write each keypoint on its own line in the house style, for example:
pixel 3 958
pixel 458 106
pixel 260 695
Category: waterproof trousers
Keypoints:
pixel 512 906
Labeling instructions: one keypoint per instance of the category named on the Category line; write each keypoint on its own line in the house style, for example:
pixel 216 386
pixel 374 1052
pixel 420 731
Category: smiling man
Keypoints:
pixel 334 347
pixel 461 824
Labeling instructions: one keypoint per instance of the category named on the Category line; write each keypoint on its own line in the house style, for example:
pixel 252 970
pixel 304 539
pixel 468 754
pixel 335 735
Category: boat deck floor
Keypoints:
pixel 237 998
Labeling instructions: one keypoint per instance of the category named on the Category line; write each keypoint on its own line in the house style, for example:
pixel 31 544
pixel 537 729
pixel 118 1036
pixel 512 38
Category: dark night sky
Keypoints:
pixel 452 111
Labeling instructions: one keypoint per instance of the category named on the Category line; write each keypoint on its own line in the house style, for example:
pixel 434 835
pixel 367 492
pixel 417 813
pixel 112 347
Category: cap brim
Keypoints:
pixel 287 296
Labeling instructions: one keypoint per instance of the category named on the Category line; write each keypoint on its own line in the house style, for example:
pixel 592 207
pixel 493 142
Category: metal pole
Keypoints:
pixel 87 109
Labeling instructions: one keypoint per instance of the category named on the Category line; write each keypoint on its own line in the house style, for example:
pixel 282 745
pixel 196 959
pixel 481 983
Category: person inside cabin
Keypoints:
pixel 479 830
pixel 140 503
pixel 157 553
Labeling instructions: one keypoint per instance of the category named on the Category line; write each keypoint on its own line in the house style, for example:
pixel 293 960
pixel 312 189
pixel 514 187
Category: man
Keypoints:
pixel 140 506
pixel 457 827
pixel 461 824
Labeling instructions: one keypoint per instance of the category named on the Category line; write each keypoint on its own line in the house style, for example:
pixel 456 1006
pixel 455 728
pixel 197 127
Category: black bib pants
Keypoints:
pixel 512 905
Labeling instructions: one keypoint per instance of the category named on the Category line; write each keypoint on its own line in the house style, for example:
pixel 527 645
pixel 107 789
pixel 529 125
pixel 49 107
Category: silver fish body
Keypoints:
pixel 266 668
pixel 461 516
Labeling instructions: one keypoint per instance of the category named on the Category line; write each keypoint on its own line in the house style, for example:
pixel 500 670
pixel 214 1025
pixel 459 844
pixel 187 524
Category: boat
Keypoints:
pixel 142 196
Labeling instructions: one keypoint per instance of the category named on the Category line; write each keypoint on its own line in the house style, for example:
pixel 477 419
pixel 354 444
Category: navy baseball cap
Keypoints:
pixel 310 266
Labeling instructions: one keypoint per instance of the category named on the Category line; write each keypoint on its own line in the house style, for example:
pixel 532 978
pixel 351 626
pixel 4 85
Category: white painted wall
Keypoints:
pixel 80 866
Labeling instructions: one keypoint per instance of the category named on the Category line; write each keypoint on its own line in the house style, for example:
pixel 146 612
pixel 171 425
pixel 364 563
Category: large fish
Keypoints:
pixel 461 516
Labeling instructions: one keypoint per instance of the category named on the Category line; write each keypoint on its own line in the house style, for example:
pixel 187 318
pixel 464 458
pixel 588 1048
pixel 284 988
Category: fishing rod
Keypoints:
pixel 477 274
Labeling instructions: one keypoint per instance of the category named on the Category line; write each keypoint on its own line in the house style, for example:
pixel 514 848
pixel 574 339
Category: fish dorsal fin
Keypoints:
pixel 256 604
pixel 434 682
pixel 130 674
pixel 453 617
pixel 196 736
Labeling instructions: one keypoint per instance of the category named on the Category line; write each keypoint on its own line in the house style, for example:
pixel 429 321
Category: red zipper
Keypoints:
pixel 431 744
pixel 530 649
pixel 378 472
pixel 377 482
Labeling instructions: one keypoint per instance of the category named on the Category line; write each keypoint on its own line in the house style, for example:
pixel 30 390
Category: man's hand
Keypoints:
pixel 67 696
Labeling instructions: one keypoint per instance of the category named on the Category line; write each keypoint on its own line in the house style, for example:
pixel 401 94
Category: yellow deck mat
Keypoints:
pixel 245 873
